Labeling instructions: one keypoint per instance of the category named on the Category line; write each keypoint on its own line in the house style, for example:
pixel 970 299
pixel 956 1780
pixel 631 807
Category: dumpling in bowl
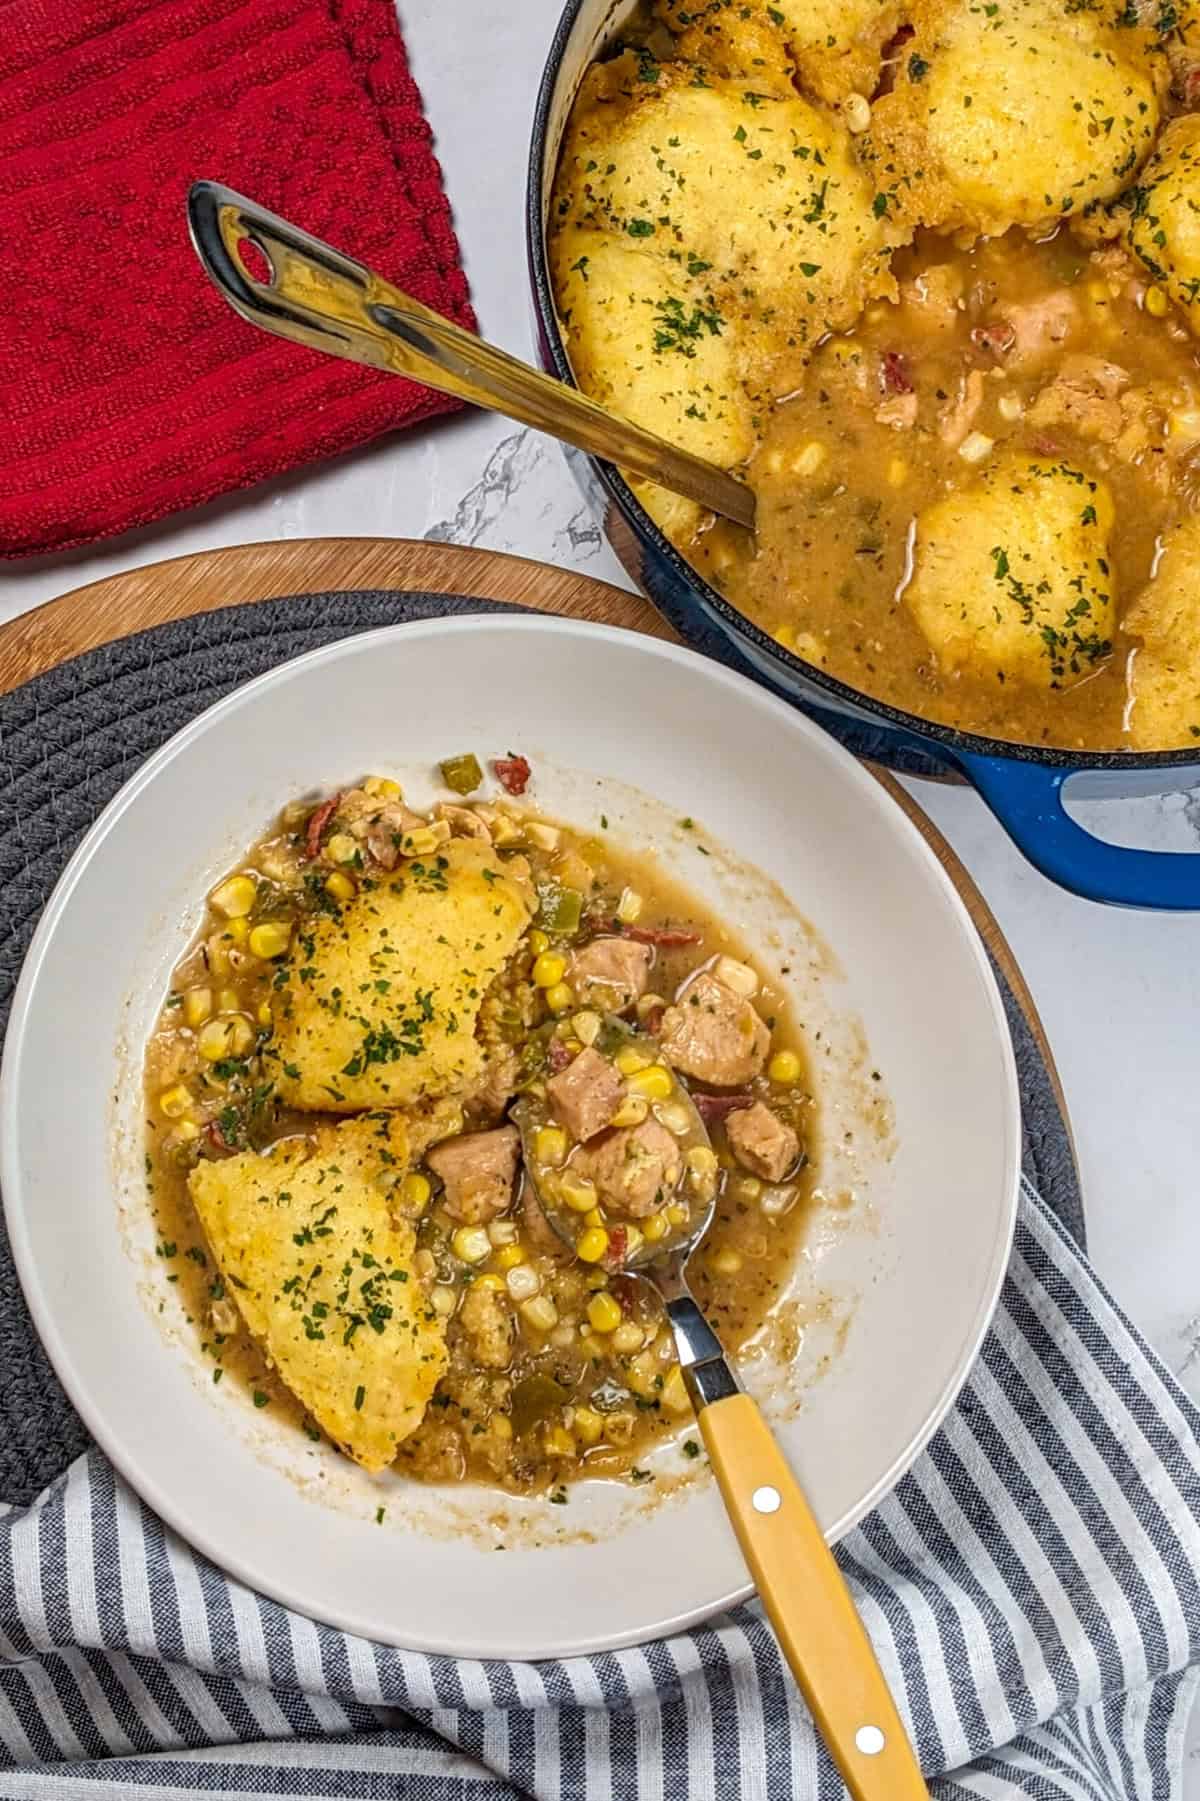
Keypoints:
pixel 759 195
pixel 1164 223
pixel 834 46
pixel 1011 576
pixel 1017 112
pixel 1164 678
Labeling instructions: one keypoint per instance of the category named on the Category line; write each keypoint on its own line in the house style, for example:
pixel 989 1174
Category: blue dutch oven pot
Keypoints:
pixel 1023 784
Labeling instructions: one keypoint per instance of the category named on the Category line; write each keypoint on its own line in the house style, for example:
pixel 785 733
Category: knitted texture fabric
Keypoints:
pixel 129 388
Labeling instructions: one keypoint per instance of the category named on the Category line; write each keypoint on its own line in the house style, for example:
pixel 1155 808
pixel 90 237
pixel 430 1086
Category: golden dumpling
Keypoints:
pixel 323 1277
pixel 759 196
pixel 1164 223
pixel 1011 575
pixel 377 1000
pixel 1164 680
pixel 1018 112
pixel 831 47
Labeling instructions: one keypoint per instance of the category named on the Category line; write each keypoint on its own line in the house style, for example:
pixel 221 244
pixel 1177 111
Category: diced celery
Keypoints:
pixel 462 775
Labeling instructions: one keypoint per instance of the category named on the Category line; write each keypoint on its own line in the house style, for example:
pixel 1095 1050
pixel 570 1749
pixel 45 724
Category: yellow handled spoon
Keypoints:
pixel 314 295
pixel 797 1577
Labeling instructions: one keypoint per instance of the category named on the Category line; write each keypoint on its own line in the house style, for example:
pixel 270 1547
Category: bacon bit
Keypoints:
pixel 1189 86
pixel 557 1055
pixel 512 773
pixel 652 1020
pixel 998 336
pixel 893 372
pixel 316 826
pixel 667 938
pixel 218 1144
pixel 618 1244
pixel 712 1107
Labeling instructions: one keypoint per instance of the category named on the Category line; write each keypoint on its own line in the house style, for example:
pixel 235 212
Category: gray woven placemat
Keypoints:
pixel 70 739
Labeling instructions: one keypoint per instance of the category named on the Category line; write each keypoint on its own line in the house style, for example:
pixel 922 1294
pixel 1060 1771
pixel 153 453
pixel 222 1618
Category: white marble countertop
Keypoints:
pixel 1119 992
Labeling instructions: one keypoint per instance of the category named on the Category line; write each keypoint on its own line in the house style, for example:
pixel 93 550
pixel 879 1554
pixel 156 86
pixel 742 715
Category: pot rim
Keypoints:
pixel 955 741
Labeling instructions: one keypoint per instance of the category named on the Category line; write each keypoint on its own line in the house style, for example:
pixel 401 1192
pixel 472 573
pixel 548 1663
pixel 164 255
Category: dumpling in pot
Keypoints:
pixel 1017 112
pixel 834 46
pixel 1011 577
pixel 1164 223
pixel 759 196
pixel 1164 680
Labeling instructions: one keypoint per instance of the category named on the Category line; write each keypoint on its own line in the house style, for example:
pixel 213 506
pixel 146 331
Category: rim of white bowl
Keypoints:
pixel 174 1509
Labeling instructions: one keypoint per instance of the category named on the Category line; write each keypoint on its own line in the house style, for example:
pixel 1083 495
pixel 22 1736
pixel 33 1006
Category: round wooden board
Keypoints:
pixel 130 602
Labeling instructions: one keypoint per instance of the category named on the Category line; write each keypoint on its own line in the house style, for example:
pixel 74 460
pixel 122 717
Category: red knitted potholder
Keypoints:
pixel 128 388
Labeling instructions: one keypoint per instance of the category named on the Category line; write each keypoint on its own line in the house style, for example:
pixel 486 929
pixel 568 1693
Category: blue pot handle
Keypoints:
pixel 1027 800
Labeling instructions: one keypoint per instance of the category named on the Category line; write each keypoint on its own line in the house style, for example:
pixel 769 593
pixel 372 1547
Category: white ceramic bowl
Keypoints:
pixel 904 1257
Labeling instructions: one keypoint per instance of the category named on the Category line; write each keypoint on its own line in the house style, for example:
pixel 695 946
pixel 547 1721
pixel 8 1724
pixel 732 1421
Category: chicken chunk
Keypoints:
pixel 477 1172
pixel 714 1034
pixel 762 1142
pixel 384 830
pixel 611 973
pixel 635 1169
pixel 488 1323
pixel 585 1095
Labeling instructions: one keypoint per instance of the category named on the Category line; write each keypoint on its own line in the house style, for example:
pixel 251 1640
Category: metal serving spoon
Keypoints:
pixel 801 1587
pixel 316 296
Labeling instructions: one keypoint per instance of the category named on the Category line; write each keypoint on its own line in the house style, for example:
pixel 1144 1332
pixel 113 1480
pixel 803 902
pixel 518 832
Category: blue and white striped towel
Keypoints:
pixel 1031 1586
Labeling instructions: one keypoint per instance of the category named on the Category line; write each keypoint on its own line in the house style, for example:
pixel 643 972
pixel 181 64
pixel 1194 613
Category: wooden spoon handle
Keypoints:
pixel 809 1605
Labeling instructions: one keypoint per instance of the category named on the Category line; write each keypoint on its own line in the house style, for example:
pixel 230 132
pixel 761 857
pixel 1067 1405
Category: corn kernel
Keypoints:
pixel 654 1228
pixel 1010 407
pixel 550 1144
pixel 1098 291
pixel 219 1038
pixel 975 446
pixel 238 931
pixel 340 886
pixel 677 1215
pixel 501 1426
pixel 197 1005
pixel 495 1283
pixel 271 938
pixel 235 897
pixel 420 841
pixel 382 787
pixel 629 1059
pixel 725 1263
pixel 810 458
pixel 627 1338
pixel 632 1111
pixel 174 1102
pixel 586 1026
pixel 732 973
pixel 541 836
pixel 629 906
pixel 538 942
pixel 897 472
pixel 747 1188
pixel 540 1312
pixel 264 1017
pixel 579 1195
pixel 471 1244
pixel 784 1067
pixel 1156 303
pixel 187 1128
pixel 604 1314
pixel 674 1394
pixel 509 1256
pixel 702 1161
pixel 634 1238
pixel 415 1191
pixel 523 1282
pixel 588 1425
pixel 502 1231
pixel 785 635
pixel 228 1001
pixel 595 1280
pixel 591 1244
pixel 618 1427
pixel 341 848
pixel 548 969
pixel 675 1117
pixel 557 1442
pixel 443 1300
pixel 560 998
pixel 594 1347
pixel 656 1083
pixel 856 111
pixel 593 1218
